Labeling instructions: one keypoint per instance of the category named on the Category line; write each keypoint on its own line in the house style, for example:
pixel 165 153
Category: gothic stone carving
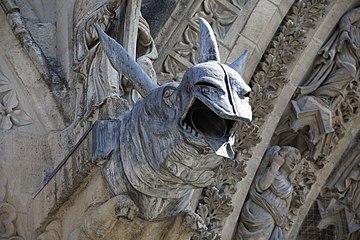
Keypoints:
pixel 264 214
pixel 10 114
pixel 52 231
pixel 324 105
pixel 225 18
pixel 271 75
pixel 215 203
pixel 269 78
pixel 7 213
pixel 172 139
pixel 331 90
pixel 336 210
pixel 89 57
pixel 18 26
pixel 339 201
pixel 105 86
pixel 101 218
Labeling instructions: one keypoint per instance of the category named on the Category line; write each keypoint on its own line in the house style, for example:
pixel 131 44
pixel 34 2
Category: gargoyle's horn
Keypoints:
pixel 208 46
pixel 239 64
pixel 125 64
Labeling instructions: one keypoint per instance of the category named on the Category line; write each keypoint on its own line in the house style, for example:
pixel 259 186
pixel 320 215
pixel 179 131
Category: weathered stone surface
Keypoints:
pixel 59 184
pixel 156 13
pixel 264 214
pixel 41 97
pixel 209 91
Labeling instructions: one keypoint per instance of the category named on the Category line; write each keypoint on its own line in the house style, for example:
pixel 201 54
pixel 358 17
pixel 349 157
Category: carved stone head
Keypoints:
pixel 292 158
pixel 213 96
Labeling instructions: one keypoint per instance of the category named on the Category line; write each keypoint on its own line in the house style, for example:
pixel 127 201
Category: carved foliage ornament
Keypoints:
pixel 191 123
pixel 7 213
pixel 188 47
pixel 221 16
pixel 215 203
pixel 10 114
pixel 269 78
pixel 271 74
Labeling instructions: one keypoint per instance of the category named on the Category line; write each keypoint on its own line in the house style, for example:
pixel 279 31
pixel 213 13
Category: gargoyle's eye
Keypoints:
pixel 167 96
pixel 168 92
pixel 247 94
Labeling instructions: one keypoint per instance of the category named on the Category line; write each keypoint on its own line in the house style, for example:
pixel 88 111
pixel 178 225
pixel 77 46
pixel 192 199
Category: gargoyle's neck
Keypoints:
pixel 143 155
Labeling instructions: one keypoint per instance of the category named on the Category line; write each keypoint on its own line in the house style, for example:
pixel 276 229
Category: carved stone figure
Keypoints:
pixel 339 202
pixel 339 60
pixel 326 93
pixel 264 213
pixel 102 82
pixel 174 139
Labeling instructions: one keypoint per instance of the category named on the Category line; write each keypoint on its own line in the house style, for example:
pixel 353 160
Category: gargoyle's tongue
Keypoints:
pixel 221 148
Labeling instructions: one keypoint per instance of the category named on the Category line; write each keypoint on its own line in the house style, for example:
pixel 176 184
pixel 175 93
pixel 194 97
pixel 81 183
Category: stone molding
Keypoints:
pixel 29 45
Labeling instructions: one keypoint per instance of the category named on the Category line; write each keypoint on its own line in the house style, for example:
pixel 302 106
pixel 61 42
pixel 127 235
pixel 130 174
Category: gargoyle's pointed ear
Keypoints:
pixel 125 64
pixel 239 64
pixel 208 46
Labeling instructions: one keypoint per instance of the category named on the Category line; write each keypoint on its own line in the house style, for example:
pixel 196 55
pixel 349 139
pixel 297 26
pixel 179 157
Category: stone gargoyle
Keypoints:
pixel 174 138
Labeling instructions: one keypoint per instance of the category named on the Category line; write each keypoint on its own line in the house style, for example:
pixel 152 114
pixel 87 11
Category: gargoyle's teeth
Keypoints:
pixel 190 130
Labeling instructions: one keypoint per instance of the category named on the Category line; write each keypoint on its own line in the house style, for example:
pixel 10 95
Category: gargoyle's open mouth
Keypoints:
pixel 201 120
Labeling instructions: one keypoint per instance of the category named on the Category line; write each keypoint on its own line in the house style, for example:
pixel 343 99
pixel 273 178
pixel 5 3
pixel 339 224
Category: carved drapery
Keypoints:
pixel 106 86
pixel 89 57
pixel 324 105
pixel 336 210
pixel 264 214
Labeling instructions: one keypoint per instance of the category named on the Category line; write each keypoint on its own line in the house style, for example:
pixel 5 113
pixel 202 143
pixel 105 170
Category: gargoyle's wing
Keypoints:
pixel 125 64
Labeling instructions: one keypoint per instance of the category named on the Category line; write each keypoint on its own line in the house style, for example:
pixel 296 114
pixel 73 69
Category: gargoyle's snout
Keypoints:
pixel 207 123
pixel 202 122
